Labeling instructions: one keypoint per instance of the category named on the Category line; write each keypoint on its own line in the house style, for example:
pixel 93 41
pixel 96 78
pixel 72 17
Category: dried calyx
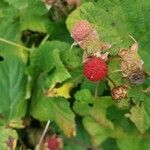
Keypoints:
pixel 132 66
pixel 137 77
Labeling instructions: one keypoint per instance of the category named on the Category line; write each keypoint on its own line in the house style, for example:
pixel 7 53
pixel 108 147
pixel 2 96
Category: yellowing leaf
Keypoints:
pixel 139 117
pixel 16 123
pixel 8 138
pixel 63 91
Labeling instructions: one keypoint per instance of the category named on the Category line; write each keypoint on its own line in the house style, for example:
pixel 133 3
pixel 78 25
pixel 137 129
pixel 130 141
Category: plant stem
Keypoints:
pixel 14 44
pixel 111 81
pixel 73 44
pixel 132 38
pixel 44 132
pixel 96 89
pixel 45 39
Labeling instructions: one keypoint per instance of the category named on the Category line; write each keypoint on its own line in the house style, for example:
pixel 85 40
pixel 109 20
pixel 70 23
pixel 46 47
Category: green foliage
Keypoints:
pixel 41 77
pixel 114 20
pixel 12 85
pixel 94 112
pixel 139 114
pixel 49 70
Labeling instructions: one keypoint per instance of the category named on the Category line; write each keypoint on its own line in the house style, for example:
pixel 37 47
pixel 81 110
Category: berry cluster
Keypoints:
pixel 94 65
pixel 95 57
pixel 88 39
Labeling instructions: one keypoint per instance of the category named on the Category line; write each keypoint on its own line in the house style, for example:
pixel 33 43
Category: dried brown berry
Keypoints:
pixel 119 92
pixel 132 66
pixel 137 77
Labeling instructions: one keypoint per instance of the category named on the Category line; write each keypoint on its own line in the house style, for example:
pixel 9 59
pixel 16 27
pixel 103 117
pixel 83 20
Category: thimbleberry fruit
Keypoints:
pixel 95 69
pixel 81 30
pixel 54 143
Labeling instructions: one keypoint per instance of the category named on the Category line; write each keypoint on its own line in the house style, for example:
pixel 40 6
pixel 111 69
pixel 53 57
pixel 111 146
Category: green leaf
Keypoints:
pixel 9 23
pixel 108 26
pixel 97 132
pixel 129 143
pixel 8 138
pixel 46 59
pixel 114 20
pixel 117 116
pixel 91 86
pixel 114 72
pixel 80 142
pixel 83 101
pixel 57 29
pixel 139 117
pixel 109 144
pixel 13 81
pixel 94 112
pixel 135 92
pixel 34 17
pixel 17 16
pixel 54 109
pixel 140 114
pixel 48 70
pixel 18 4
pixel 43 59
pixel 144 49
pixel 133 142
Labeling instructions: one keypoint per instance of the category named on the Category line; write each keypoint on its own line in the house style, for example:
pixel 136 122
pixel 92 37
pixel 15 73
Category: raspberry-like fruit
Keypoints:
pixel 54 143
pixel 95 69
pixel 119 92
pixel 81 30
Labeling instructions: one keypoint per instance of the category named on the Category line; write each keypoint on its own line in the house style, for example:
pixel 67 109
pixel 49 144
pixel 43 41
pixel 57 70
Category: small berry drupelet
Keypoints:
pixel 95 69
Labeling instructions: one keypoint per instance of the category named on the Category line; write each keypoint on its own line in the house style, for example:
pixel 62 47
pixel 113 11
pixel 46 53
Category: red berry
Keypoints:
pixel 95 69
pixel 54 143
pixel 81 30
